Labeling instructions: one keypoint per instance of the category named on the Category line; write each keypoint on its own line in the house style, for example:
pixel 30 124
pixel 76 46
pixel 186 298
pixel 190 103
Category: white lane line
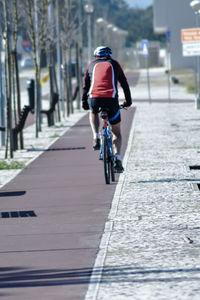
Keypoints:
pixel 97 271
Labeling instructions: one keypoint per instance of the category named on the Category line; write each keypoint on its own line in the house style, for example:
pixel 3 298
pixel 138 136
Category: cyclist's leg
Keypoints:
pixel 94 117
pixel 94 122
pixel 115 122
pixel 117 141
pixel 117 138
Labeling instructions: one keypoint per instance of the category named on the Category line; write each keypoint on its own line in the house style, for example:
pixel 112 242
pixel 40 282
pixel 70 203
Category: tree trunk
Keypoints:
pixel 78 76
pixel 18 96
pixel 9 86
pixel 70 79
pixel 56 89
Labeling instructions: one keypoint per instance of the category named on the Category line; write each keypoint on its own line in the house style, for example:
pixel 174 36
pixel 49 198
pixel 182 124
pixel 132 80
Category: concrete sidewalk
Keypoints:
pixel 151 244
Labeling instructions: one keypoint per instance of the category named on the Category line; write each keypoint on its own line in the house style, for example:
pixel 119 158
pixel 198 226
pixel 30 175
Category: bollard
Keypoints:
pixel 31 93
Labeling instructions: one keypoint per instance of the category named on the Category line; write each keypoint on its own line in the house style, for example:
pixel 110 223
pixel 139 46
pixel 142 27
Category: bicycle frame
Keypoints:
pixel 106 133
pixel 106 153
pixel 106 150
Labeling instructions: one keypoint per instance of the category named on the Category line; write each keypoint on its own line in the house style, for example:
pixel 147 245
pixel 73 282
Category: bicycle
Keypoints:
pixel 106 149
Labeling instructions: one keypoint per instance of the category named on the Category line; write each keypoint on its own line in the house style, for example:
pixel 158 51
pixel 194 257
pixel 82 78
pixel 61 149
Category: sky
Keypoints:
pixel 139 3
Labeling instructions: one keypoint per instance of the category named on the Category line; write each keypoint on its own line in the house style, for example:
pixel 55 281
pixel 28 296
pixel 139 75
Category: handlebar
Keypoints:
pixel 122 107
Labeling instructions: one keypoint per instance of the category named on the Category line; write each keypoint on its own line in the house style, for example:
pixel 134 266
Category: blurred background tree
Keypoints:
pixel 138 22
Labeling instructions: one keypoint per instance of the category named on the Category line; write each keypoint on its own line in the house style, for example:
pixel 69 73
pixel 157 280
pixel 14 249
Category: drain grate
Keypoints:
pixel 196 186
pixel 195 167
pixel 18 214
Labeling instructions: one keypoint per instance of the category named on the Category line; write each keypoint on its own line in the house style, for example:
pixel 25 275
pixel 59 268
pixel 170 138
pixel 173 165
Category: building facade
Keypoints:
pixel 170 16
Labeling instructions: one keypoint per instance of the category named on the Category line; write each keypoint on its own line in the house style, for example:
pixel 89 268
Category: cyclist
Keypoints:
pixel 100 90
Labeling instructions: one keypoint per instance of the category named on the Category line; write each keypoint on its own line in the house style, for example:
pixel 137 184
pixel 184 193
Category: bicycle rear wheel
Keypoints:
pixel 106 160
pixel 112 168
pixel 111 160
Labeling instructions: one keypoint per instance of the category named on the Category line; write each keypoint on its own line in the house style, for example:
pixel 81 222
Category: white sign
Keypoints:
pixel 191 41
pixel 145 47
pixel 191 49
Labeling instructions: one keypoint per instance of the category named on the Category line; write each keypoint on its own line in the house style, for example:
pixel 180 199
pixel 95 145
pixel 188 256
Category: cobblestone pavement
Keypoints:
pixel 152 245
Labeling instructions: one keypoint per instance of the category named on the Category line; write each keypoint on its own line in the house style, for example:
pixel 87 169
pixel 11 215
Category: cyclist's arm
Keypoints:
pixel 86 86
pixel 124 84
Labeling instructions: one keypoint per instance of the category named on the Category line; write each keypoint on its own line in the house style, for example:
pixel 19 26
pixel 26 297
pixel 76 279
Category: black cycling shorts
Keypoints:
pixel 111 104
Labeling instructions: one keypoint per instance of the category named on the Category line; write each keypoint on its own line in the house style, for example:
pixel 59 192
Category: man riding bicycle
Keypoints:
pixel 100 91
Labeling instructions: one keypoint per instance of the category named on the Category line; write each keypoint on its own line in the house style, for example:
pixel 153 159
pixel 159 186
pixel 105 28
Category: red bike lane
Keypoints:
pixel 54 216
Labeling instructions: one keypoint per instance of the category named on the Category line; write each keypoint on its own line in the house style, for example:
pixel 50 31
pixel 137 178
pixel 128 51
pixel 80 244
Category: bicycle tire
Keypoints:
pixel 112 170
pixel 106 162
pixel 111 160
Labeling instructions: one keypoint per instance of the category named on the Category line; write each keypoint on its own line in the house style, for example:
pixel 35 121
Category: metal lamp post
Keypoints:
pixel 100 32
pixel 195 4
pixel 2 98
pixel 89 9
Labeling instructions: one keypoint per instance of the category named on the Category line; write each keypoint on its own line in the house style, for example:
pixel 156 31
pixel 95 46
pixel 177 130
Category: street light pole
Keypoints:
pixel 2 98
pixel 100 32
pixel 37 82
pixel 59 57
pixel 89 9
pixel 168 38
pixel 89 37
pixel 197 72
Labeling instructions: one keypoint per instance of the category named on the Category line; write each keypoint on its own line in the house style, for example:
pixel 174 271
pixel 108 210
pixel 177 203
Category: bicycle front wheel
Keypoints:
pixel 106 160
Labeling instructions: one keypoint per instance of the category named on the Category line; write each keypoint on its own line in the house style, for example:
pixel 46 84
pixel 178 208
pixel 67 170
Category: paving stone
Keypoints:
pixel 154 247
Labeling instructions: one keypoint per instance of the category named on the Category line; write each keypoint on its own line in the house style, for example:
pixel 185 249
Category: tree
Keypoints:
pixel 15 66
pixel 37 18
pixel 8 77
pixel 69 30
pixel 138 22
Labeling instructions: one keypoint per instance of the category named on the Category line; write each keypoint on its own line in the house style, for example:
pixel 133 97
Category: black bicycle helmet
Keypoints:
pixel 102 51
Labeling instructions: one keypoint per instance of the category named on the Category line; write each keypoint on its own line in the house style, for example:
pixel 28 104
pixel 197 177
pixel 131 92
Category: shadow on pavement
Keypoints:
pixel 12 194
pixel 19 277
pixel 56 149
pixel 164 180
pixel 47 277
